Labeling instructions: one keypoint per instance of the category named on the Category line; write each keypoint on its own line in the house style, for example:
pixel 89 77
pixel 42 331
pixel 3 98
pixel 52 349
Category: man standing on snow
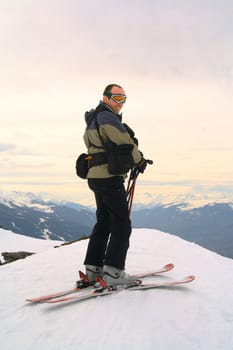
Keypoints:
pixel 109 241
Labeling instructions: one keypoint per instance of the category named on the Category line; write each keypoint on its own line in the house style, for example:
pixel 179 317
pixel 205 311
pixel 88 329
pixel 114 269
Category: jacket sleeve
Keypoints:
pixel 112 129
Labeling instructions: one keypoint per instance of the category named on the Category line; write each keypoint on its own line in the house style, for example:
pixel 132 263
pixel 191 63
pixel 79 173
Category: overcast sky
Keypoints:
pixel 173 58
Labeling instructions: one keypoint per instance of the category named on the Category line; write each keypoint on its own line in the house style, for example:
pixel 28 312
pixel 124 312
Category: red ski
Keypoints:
pixel 105 290
pixel 86 284
pixel 42 298
pixel 186 279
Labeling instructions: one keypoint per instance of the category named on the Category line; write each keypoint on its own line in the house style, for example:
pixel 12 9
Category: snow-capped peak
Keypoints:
pixel 21 199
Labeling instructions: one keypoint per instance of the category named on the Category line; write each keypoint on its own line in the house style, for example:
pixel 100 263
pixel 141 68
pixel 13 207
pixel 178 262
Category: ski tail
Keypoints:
pixel 52 295
pixel 82 283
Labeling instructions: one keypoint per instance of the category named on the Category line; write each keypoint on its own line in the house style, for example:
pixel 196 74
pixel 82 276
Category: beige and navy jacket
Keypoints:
pixel 110 129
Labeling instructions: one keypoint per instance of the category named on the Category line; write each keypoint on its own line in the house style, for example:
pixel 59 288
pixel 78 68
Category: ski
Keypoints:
pixel 165 268
pixel 105 290
pixel 86 284
pixel 186 279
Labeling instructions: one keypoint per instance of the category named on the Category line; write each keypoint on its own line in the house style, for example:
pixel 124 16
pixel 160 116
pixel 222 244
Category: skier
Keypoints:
pixel 106 137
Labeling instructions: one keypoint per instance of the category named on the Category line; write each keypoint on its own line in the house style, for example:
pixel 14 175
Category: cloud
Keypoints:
pixel 57 42
pixel 6 147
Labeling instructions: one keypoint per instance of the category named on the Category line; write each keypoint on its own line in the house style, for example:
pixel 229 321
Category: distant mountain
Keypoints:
pixel 211 226
pixel 47 220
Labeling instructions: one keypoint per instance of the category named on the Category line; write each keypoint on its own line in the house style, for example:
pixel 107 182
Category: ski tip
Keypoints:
pixel 169 266
pixel 190 278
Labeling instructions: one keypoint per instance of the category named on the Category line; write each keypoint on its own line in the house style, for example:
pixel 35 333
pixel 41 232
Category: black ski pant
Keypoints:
pixel 109 240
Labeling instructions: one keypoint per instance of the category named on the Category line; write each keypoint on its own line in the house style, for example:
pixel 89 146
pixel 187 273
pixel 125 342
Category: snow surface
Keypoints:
pixel 13 242
pixel 198 316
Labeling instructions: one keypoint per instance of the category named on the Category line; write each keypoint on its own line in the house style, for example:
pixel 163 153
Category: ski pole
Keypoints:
pixel 131 185
pixel 131 188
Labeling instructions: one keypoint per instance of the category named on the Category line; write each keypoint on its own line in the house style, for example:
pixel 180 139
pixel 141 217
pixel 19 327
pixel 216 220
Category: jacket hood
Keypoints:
pixel 88 116
pixel 100 108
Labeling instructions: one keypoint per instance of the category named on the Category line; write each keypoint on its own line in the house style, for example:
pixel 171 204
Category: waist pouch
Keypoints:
pixel 86 161
pixel 81 166
pixel 120 159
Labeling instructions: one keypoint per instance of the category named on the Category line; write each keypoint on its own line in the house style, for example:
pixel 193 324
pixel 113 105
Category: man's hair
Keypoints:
pixel 109 88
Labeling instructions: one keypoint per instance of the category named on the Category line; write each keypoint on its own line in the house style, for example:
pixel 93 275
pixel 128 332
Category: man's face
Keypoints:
pixel 115 106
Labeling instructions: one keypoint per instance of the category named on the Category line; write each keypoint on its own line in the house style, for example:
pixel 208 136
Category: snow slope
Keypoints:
pixel 12 242
pixel 198 316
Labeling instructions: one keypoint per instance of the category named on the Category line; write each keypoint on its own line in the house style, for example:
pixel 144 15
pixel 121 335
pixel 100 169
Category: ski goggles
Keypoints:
pixel 118 98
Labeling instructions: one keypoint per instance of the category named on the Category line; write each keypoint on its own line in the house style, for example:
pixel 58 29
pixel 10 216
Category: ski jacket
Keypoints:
pixel 112 129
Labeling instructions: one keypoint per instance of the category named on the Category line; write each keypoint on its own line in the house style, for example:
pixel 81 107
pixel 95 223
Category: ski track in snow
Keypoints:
pixel 198 316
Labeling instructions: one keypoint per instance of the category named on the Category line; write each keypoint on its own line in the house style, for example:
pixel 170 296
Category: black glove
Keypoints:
pixel 141 166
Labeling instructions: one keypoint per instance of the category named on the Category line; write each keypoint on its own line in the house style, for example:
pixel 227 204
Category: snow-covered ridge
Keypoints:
pixel 36 200
pixel 196 317
pixel 13 242
pixel 21 199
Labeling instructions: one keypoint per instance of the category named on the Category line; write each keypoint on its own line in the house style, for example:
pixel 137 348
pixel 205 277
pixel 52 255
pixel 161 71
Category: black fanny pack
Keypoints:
pixel 120 159
pixel 81 166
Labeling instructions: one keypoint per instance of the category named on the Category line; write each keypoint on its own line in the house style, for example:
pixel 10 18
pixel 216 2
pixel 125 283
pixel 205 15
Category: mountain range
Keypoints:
pixel 210 226
pixel 29 215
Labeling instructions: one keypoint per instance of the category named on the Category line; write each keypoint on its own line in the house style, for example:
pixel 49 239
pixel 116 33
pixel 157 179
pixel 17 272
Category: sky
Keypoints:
pixel 174 59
